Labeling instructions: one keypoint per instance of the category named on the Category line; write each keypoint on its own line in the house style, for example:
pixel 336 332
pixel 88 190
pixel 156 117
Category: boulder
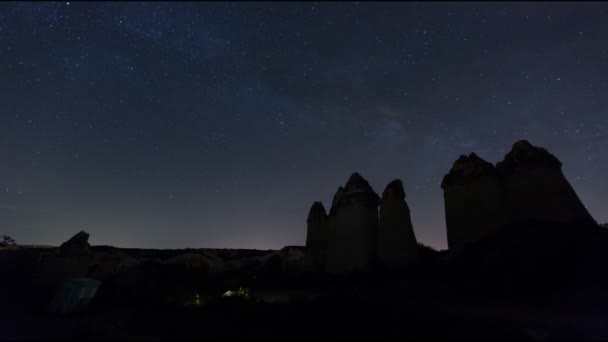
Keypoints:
pixel 353 227
pixel 397 245
pixel 77 245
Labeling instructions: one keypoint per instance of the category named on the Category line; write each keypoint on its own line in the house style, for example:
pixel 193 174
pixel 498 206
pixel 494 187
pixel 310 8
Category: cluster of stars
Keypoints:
pixel 209 106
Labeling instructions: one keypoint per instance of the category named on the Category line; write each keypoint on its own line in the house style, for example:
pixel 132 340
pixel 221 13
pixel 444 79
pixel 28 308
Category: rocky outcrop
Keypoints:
pixel 474 201
pixel 77 245
pixel 353 227
pixel 109 262
pixel 316 237
pixel 468 169
pixel 536 188
pixel 528 185
pixel 292 259
pixel 71 260
pixel 397 246
pixel 337 197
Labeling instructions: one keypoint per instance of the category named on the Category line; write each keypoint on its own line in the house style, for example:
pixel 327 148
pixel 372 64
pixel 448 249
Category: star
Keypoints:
pixel 247 91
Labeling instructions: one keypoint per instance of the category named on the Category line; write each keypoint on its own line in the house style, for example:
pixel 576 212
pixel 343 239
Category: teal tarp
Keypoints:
pixel 74 295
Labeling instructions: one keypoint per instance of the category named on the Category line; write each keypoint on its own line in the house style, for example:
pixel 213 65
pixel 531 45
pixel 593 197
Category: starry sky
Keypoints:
pixel 194 124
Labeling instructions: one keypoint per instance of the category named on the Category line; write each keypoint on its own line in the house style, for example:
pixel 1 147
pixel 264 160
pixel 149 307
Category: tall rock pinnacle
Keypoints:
pixel 536 188
pixel 528 185
pixel 474 201
pixel 397 246
pixel 316 236
pixel 353 227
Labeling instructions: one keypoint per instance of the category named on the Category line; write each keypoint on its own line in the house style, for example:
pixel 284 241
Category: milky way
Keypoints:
pixel 172 125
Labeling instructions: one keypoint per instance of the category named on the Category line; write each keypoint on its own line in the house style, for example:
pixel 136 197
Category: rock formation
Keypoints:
pixel 316 236
pixel 536 188
pixel 474 201
pixel 337 197
pixel 71 260
pixel 77 245
pixel 293 259
pixel 528 185
pixel 353 227
pixel 106 263
pixel 397 246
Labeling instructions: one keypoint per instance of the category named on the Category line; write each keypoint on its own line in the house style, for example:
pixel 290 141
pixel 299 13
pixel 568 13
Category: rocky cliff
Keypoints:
pixel 316 237
pixel 397 246
pixel 474 201
pixel 353 227
pixel 528 185
pixel 536 188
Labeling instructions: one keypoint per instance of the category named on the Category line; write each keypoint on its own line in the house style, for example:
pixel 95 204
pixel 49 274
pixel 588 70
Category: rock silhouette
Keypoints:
pixel 77 245
pixel 337 197
pixel 397 245
pixel 316 236
pixel 474 201
pixel 528 185
pixel 536 188
pixel 353 227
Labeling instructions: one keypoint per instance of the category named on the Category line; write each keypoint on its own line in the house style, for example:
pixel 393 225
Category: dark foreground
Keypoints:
pixel 390 309
pixel 538 283
pixel 343 319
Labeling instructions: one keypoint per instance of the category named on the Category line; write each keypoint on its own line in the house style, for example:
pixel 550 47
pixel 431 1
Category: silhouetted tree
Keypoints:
pixel 7 241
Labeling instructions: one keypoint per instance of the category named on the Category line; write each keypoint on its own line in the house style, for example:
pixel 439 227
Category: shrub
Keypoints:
pixel 7 241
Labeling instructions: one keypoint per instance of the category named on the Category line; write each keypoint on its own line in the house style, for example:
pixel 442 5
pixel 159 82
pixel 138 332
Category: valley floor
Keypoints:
pixel 337 318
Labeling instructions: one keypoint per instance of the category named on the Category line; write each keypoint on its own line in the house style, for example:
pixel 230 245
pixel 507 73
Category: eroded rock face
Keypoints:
pixel 468 169
pixel 77 245
pixel 474 201
pixel 106 261
pixel 528 185
pixel 292 259
pixel 524 155
pixel 536 188
pixel 337 197
pixel 353 227
pixel 316 237
pixel 397 245
pixel 316 225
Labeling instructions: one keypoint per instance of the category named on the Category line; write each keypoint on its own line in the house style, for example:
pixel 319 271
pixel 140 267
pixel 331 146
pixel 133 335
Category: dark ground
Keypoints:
pixel 339 318
pixel 536 283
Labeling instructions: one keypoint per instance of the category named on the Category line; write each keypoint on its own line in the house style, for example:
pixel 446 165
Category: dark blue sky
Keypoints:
pixel 194 124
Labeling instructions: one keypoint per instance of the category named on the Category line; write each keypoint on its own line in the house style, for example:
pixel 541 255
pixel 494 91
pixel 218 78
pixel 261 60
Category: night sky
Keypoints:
pixel 174 125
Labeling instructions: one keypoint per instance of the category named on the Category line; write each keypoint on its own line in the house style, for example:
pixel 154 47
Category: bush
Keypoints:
pixel 7 241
